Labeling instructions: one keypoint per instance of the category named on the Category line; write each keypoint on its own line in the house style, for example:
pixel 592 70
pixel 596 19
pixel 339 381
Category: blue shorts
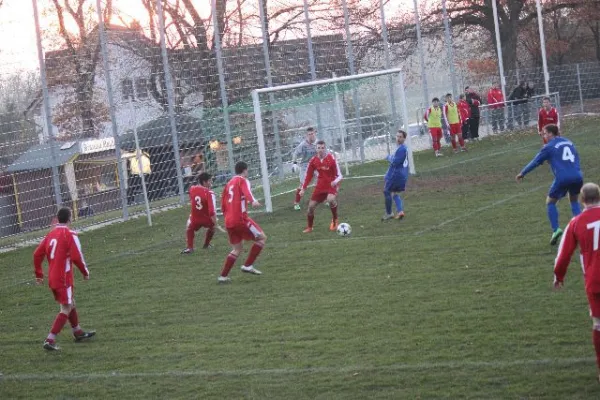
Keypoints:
pixel 394 186
pixel 558 190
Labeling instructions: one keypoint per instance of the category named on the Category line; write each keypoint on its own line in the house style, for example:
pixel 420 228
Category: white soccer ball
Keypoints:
pixel 344 229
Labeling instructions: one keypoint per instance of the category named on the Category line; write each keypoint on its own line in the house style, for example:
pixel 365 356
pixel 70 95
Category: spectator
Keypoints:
pixel 495 101
pixel 519 103
pixel 474 102
pixel 465 114
pixel 529 93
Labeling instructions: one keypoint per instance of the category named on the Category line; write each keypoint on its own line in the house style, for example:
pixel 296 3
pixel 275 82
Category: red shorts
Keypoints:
pixel 321 195
pixel 63 295
pixel 455 129
pixel 248 231
pixel 196 224
pixel 436 133
pixel 594 302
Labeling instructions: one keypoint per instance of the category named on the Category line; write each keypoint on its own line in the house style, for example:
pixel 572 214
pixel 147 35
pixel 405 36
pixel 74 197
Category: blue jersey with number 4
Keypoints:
pixel 398 170
pixel 563 159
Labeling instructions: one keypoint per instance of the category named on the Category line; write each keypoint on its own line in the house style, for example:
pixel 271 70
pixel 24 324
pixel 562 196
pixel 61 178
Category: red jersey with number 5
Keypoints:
pixel 583 230
pixel 235 199
pixel 328 170
pixel 62 249
pixel 203 203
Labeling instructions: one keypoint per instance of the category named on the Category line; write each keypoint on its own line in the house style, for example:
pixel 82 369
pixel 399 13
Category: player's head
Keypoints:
pixel 467 89
pixel 63 215
pixel 205 179
pixel 241 168
pixel 449 97
pixel 522 84
pixel 590 194
pixel 461 97
pixel 435 101
pixel 311 134
pixel 551 131
pixel 321 148
pixel 400 137
pixel 546 102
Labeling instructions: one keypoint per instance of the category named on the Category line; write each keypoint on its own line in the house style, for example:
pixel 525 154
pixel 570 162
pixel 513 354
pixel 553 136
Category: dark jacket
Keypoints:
pixel 474 102
pixel 519 95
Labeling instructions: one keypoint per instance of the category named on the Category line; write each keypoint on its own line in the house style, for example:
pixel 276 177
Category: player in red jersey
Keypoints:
pixel 547 115
pixel 234 204
pixel 328 184
pixel 584 230
pixel 203 214
pixel 62 249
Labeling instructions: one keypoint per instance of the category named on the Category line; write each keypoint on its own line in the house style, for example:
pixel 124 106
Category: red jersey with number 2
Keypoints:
pixel 328 170
pixel 235 199
pixel 203 202
pixel 583 230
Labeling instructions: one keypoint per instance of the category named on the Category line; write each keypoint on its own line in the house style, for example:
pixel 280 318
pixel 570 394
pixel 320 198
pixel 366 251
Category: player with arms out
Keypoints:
pixel 584 230
pixel 234 204
pixel 203 213
pixel 564 161
pixel 395 178
pixel 329 176
pixel 304 152
pixel 62 249
pixel 453 119
pixel 547 115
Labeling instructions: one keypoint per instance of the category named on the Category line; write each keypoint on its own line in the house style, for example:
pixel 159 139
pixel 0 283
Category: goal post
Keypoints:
pixel 355 137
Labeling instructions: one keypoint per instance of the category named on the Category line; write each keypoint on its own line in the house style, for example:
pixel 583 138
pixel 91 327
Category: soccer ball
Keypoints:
pixel 344 229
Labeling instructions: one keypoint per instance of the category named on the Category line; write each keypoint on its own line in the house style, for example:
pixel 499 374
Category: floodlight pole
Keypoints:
pixel 543 47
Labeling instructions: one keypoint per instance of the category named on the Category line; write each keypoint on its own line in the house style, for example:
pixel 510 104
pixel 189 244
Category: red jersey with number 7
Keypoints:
pixel 583 230
pixel 62 249
pixel 235 199
pixel 203 203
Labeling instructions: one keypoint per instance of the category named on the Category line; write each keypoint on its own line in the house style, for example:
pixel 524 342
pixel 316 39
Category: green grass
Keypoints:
pixel 453 302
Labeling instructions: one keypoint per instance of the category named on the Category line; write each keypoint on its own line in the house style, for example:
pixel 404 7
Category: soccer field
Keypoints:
pixel 454 301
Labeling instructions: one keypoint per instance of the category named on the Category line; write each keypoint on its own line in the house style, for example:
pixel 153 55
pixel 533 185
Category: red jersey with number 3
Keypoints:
pixel 583 230
pixel 235 199
pixel 62 249
pixel 329 172
pixel 203 202
pixel 546 117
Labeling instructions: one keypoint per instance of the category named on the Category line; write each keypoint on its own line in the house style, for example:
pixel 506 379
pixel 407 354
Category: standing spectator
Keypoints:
pixel 465 114
pixel 529 93
pixel 519 98
pixel 474 102
pixel 495 101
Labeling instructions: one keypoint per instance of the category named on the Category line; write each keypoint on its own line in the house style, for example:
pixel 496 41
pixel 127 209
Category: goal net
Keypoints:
pixel 357 117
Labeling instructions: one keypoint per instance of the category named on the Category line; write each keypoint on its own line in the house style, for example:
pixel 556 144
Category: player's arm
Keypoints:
pixel 298 151
pixel 399 157
pixel 567 247
pixel 310 172
pixel 536 162
pixel 38 258
pixel 338 173
pixel 426 115
pixel 445 114
pixel 77 256
pixel 224 201
pixel 247 192
pixel 557 118
pixel 540 120
pixel 212 207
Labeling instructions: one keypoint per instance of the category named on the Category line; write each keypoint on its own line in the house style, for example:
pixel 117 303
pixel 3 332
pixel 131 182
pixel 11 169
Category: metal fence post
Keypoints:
pixel 311 60
pixel 449 49
pixel 386 49
pixel 421 55
pixel 580 89
pixel 46 100
pixel 170 100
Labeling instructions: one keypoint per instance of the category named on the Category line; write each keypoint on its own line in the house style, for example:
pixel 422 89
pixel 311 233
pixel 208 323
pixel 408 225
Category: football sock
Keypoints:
pixel 553 215
pixel 254 252
pixel 190 235
pixel 453 137
pixel 311 220
pixel 575 208
pixel 461 141
pixel 388 202
pixel 298 198
pixel 334 212
pixel 74 319
pixel 596 340
pixel 229 261
pixel 59 323
pixel 209 235
pixel 398 201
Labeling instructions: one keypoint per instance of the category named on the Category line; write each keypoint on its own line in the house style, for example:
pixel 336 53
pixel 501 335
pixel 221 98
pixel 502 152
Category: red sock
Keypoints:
pixel 74 318
pixel 596 340
pixel 190 234
pixel 298 198
pixel 59 323
pixel 311 220
pixel 461 141
pixel 229 261
pixel 453 137
pixel 209 235
pixel 334 212
pixel 254 252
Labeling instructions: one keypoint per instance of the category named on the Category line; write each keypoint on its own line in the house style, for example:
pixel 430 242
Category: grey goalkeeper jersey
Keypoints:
pixel 305 151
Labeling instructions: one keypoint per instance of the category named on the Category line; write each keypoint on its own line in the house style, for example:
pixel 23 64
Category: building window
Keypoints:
pixel 127 89
pixel 141 88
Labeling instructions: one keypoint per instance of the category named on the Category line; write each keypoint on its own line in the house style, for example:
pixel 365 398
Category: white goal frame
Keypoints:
pixel 264 168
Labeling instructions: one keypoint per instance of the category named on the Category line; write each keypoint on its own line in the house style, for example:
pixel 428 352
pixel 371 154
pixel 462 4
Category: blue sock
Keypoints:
pixel 398 201
pixel 552 215
pixel 388 202
pixel 575 209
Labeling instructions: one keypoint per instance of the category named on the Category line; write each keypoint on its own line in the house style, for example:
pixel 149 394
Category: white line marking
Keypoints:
pixel 444 365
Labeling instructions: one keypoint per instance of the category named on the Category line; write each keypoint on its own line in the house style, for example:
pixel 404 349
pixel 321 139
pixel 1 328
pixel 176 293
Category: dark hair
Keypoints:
pixel 321 142
pixel 552 129
pixel 310 129
pixel 523 83
pixel 435 99
pixel 466 88
pixel 63 215
pixel 400 131
pixel 462 96
pixel 448 94
pixel 204 177
pixel 546 98
pixel 240 167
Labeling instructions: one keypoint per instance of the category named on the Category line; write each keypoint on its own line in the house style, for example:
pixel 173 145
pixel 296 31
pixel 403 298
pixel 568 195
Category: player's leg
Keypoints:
pixel 333 206
pixel 557 191
pixel 78 333
pixel 574 190
pixel 64 297
pixel 236 248
pixel 210 233
pixel 315 200
pixel 433 140
pixel 399 202
pixel 190 234
pixel 298 198
pixel 438 134
pixel 387 195
pixel 256 234
pixel 594 302
pixel 457 130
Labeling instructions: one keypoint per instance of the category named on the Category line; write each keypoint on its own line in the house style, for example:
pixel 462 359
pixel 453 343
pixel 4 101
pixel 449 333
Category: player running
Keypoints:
pixel 454 122
pixel 304 152
pixel 234 204
pixel 564 161
pixel 328 184
pixel 62 249
pixel 584 230
pixel 395 179
pixel 433 117
pixel 547 115
pixel 203 213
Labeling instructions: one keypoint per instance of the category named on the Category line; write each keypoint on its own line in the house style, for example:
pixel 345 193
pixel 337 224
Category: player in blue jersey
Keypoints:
pixel 395 178
pixel 563 158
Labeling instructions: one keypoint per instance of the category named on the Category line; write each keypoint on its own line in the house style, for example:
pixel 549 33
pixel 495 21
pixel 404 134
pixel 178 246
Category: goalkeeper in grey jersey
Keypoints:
pixel 302 154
